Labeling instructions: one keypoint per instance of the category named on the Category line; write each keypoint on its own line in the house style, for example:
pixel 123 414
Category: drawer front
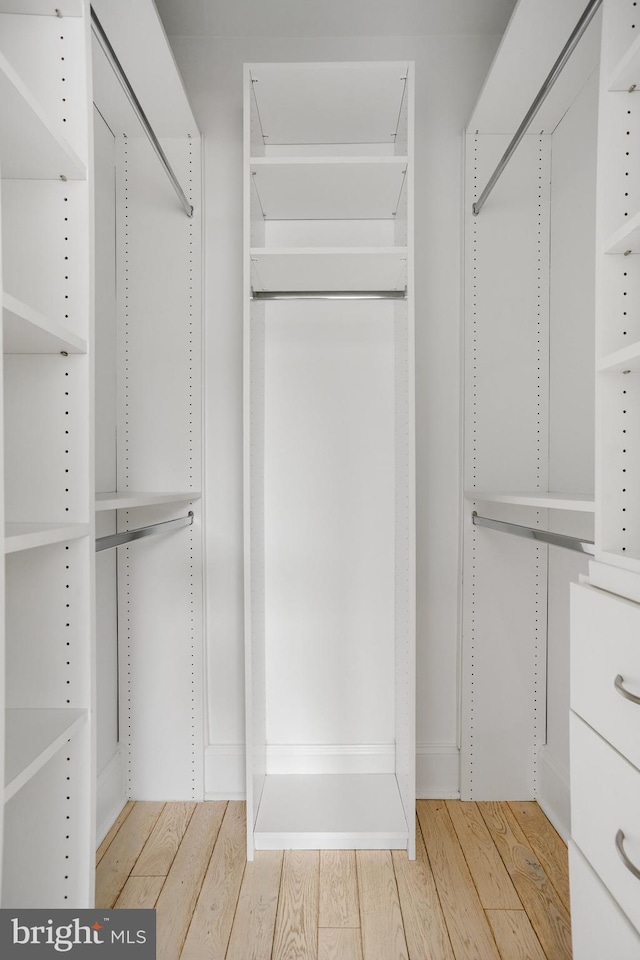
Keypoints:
pixel 605 799
pixel 605 644
pixel 599 929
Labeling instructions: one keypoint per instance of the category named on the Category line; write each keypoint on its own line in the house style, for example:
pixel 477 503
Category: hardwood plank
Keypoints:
pixel 546 843
pixel 382 930
pixel 140 893
pixel 424 925
pixel 180 892
pixel 208 935
pixel 542 903
pixel 165 838
pixel 469 931
pixel 122 816
pixel 116 864
pixel 255 920
pixel 493 883
pixel 338 889
pixel 296 933
pixel 514 935
pixel 339 943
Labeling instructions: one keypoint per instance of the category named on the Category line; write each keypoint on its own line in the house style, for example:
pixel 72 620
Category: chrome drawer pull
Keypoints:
pixel 631 867
pixel 624 693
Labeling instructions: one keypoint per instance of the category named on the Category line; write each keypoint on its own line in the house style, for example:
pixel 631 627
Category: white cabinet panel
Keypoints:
pixel 599 927
pixel 605 644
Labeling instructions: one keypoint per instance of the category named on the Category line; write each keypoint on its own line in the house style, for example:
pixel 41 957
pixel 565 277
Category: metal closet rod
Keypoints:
pixel 534 533
pixel 118 539
pixel 555 72
pixel 329 295
pixel 116 66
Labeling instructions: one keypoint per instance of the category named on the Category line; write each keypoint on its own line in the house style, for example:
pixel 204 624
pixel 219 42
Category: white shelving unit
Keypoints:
pixel 47 323
pixel 329 455
pixel 148 422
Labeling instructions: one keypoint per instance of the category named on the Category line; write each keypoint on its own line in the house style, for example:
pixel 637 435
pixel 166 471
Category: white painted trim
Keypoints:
pixel 110 795
pixel 437 771
pixel 554 797
pixel 437 766
pixel 285 758
pixel 224 771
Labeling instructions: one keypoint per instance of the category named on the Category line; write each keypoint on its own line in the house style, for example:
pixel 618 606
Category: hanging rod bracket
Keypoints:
pixel 535 533
pixel 127 536
pixel 118 69
pixel 582 24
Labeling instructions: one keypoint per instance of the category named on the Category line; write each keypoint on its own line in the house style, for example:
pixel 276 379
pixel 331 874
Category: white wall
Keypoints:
pixel 449 73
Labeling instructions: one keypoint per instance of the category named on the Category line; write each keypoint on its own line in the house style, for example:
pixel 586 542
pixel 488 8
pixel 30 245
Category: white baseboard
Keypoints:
pixel 437 766
pixel 554 797
pixel 110 795
pixel 437 771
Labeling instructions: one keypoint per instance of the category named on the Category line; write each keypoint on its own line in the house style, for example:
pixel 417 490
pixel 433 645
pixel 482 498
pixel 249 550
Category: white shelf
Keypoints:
pixel 329 268
pixel 332 188
pixel 627 559
pixel 26 536
pixel 33 736
pixel 627 70
pixel 547 500
pixel 31 146
pixel 626 238
pixel 352 102
pixel 25 330
pixel 626 359
pixel 332 811
pixel 127 500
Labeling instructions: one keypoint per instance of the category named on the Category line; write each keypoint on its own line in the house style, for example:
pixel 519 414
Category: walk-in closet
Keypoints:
pixel 321 577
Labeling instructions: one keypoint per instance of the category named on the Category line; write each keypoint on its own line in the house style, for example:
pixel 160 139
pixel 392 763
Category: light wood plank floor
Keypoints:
pixel 490 882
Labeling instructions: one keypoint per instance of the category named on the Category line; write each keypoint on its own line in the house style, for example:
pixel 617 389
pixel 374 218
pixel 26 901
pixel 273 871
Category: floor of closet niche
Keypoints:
pixel 490 882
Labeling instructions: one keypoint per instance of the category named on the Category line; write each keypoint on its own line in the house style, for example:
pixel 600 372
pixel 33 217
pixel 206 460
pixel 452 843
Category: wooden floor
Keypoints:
pixel 490 882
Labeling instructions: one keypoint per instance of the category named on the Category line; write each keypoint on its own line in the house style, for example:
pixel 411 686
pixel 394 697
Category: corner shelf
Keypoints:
pixel 26 536
pixel 579 502
pixel 625 238
pixel 128 500
pixel 341 811
pixel 32 147
pixel 329 268
pixel 25 330
pixel 34 736
pixel 329 188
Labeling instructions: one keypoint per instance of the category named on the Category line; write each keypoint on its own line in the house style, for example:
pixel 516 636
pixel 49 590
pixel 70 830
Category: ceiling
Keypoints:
pixel 333 18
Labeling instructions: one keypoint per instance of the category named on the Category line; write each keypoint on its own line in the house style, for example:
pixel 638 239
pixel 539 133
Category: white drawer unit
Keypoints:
pixel 600 929
pixel 605 666
pixel 605 814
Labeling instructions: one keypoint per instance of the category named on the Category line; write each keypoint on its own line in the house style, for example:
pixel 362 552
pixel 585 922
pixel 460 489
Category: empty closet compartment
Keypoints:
pixel 529 408
pixel 329 456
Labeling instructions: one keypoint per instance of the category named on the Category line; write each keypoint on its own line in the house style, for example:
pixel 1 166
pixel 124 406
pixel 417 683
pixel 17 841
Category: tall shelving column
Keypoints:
pixel 329 456
pixel 605 620
pixel 47 857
